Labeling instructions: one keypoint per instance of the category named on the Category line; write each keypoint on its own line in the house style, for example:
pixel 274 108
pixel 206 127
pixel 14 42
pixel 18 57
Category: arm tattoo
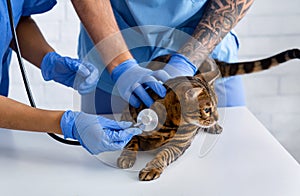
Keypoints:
pixel 220 16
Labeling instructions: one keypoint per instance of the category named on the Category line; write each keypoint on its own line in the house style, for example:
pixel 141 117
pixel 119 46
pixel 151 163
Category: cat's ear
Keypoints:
pixel 193 93
pixel 211 76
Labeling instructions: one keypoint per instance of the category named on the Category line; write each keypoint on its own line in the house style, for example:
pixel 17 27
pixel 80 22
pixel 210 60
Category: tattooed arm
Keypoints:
pixel 220 16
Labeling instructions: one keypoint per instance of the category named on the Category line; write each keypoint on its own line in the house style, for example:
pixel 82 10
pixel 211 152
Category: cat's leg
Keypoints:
pixel 128 155
pixel 215 129
pixel 168 153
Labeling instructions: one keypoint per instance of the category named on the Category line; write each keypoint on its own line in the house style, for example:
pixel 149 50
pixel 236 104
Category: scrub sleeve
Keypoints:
pixel 19 8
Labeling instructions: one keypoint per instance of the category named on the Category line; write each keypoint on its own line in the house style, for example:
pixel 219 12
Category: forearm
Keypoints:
pixel 15 115
pixel 99 21
pixel 220 16
pixel 32 44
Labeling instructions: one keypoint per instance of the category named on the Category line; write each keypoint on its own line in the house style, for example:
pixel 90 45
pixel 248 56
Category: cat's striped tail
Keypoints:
pixel 231 69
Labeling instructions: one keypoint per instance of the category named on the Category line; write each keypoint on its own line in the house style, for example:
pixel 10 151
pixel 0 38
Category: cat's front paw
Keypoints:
pixel 148 174
pixel 125 162
pixel 216 129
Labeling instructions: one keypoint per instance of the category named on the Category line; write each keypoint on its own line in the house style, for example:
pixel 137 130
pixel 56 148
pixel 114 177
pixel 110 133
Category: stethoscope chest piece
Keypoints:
pixel 147 120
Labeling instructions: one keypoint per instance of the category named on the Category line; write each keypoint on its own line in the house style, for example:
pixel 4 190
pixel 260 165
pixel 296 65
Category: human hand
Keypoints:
pixel 96 133
pixel 132 80
pixel 70 72
pixel 179 65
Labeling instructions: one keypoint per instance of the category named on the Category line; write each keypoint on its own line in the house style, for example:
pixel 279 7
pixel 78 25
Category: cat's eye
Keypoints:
pixel 207 110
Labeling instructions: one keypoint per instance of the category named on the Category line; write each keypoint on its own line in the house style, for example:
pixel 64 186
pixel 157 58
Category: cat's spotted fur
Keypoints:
pixel 189 106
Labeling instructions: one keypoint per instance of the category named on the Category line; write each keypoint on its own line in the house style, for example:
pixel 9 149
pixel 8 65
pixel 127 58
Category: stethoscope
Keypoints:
pixel 24 76
pixel 147 119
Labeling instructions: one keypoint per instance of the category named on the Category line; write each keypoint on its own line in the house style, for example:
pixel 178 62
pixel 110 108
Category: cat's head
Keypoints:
pixel 192 100
pixel 200 102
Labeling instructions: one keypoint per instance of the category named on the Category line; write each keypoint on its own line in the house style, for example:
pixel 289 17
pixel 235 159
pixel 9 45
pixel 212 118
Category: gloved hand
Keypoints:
pixel 179 65
pixel 96 133
pixel 70 72
pixel 131 81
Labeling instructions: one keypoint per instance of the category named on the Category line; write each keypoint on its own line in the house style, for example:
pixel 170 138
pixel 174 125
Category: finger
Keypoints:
pixel 112 124
pixel 90 83
pixel 124 124
pixel 83 70
pixel 115 143
pixel 143 96
pixel 161 75
pixel 89 66
pixel 134 101
pixel 130 97
pixel 156 86
pixel 94 74
pixel 131 132
pixel 83 89
pixel 125 135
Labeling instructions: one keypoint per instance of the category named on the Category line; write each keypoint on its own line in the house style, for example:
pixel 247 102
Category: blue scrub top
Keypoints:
pixel 160 27
pixel 20 8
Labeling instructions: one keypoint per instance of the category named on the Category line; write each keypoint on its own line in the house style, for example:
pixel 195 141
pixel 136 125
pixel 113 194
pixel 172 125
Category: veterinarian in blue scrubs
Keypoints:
pixel 161 38
pixel 95 133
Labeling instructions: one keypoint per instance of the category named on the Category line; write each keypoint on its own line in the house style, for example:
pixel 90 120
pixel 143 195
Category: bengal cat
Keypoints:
pixel 190 105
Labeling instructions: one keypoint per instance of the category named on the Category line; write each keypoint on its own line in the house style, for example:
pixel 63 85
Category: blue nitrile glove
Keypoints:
pixel 179 65
pixel 96 133
pixel 70 72
pixel 131 81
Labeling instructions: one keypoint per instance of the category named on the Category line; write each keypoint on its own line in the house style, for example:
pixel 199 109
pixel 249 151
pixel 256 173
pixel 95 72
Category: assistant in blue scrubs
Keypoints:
pixel 95 133
pixel 151 29
pixel 20 8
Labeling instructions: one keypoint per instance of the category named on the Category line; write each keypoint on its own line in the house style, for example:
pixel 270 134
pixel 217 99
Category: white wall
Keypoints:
pixel 269 27
pixel 273 96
